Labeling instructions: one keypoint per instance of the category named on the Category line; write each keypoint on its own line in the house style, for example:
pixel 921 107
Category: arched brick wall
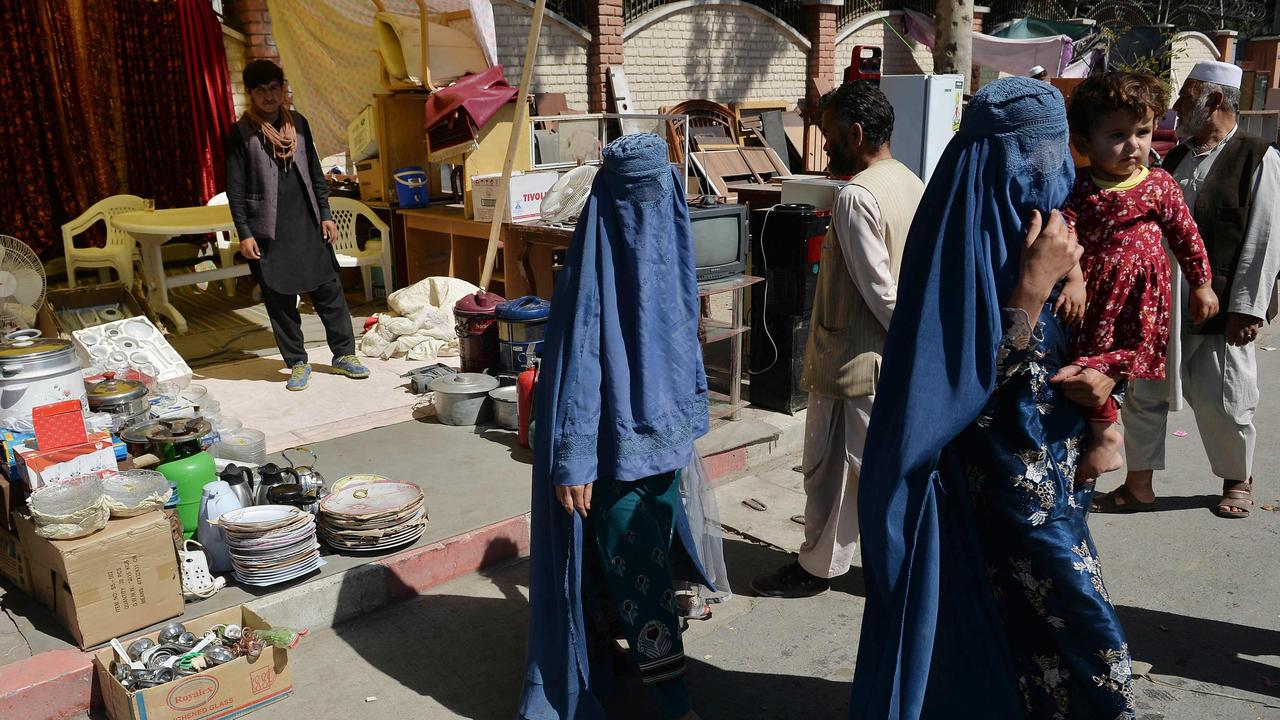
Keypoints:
pixel 562 51
pixel 725 51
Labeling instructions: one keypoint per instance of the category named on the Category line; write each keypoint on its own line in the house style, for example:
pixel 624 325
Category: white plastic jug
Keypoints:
pixel 217 498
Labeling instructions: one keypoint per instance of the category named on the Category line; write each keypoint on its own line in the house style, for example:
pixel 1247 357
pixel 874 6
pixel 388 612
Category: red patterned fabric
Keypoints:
pixel 1126 322
pixel 56 160
pixel 155 110
pixel 208 90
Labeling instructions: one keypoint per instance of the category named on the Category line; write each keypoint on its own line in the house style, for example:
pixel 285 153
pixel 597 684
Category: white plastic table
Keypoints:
pixel 153 229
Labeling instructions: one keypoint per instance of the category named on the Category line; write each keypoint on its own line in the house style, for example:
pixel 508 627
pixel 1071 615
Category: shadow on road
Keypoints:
pixel 467 653
pixel 1209 651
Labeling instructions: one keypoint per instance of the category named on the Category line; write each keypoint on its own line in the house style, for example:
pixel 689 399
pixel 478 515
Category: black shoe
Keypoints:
pixel 790 581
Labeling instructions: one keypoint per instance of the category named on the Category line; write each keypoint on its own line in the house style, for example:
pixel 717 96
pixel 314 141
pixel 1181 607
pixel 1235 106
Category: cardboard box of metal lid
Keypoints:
pixel 225 691
pixel 115 581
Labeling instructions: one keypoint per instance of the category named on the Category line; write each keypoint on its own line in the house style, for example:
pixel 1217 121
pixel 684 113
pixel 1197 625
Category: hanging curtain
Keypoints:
pixel 56 159
pixel 162 148
pixel 208 91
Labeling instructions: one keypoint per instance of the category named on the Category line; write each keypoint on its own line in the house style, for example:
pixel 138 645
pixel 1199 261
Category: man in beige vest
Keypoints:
pixel 856 293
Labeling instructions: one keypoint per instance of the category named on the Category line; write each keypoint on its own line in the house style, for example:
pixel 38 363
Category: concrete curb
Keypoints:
pixel 59 684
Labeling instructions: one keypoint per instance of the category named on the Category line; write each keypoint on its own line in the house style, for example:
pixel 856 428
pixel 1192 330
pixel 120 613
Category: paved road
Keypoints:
pixel 1197 595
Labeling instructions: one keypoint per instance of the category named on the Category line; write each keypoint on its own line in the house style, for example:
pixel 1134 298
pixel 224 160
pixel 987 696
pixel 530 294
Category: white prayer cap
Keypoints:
pixel 1036 70
pixel 1216 72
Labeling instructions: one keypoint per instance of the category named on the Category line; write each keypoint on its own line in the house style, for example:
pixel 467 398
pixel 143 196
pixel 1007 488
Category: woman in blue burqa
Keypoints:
pixel 985 598
pixel 621 397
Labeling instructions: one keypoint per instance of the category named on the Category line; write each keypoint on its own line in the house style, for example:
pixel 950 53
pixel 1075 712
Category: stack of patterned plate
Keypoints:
pixel 271 544
pixel 373 515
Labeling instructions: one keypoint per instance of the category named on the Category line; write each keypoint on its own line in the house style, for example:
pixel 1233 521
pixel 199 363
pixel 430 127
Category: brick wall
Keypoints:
pixel 723 52
pixel 561 65
pixel 255 22
pixel 1189 48
pixel 233 43
pixel 898 57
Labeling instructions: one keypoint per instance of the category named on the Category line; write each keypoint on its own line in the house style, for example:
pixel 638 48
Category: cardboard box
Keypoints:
pixel 59 425
pixel 13 561
pixel 231 690
pixel 10 441
pixel 524 201
pixel 115 581
pixel 12 493
pixel 362 139
pixel 95 297
pixel 42 467
pixel 372 186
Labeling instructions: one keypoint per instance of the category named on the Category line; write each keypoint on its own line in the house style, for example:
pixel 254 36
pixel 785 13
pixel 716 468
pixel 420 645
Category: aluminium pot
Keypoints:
pixel 125 401
pixel 463 398
pixel 36 371
pixel 506 411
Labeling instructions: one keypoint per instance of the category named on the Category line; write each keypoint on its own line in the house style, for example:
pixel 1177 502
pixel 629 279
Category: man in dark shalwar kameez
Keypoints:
pixel 280 204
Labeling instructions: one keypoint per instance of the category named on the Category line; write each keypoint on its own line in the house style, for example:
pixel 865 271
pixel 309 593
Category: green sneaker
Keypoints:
pixel 350 366
pixel 300 378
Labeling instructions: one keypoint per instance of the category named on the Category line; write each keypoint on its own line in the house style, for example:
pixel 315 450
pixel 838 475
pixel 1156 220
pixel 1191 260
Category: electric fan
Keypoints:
pixel 565 200
pixel 22 284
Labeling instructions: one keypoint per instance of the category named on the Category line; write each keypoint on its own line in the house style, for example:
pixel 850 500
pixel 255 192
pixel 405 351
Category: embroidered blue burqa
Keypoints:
pixel 621 393
pixel 984 597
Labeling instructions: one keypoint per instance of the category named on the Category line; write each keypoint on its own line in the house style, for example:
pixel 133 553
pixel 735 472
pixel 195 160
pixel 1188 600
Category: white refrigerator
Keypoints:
pixel 926 115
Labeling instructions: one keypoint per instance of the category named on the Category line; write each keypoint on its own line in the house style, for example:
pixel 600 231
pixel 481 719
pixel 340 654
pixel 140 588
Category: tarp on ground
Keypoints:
pixel 329 51
pixel 1034 27
pixel 1015 57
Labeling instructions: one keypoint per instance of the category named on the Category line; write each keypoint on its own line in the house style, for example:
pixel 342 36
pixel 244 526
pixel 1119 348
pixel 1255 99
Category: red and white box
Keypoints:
pixel 525 193
pixel 39 467
pixel 59 425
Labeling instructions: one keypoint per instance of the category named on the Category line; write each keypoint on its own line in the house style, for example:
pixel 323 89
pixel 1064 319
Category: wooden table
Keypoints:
pixel 528 248
pixel 439 240
pixel 153 229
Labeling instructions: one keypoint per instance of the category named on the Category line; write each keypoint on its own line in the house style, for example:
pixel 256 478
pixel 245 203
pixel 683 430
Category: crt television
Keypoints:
pixel 719 240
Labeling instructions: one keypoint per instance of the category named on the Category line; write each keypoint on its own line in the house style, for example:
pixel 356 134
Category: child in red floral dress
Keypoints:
pixel 1119 295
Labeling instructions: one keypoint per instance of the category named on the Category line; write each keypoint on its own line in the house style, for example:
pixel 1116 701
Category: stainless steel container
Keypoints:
pixel 125 401
pixel 36 371
pixel 462 399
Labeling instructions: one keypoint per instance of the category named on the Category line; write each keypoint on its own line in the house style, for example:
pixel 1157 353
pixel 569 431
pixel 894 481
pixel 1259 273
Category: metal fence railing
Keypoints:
pixel 854 9
pixel 575 11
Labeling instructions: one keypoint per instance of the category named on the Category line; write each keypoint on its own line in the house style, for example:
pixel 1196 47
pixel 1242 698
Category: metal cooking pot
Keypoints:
pixel 125 400
pixel 36 371
pixel 462 399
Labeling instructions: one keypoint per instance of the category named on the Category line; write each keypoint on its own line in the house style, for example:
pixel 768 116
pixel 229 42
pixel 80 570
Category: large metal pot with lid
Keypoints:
pixel 125 400
pixel 36 371
pixel 462 398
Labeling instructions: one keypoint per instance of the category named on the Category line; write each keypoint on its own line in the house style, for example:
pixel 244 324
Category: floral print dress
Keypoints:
pixel 1126 270
pixel 1068 651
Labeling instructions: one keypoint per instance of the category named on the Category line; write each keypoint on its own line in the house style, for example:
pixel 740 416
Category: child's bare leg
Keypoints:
pixel 1103 455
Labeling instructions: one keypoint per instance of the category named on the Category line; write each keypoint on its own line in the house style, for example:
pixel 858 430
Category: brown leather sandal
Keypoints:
pixel 1237 499
pixel 1128 505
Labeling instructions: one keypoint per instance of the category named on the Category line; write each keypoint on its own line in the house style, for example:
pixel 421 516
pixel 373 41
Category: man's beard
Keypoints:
pixel 837 164
pixel 1194 121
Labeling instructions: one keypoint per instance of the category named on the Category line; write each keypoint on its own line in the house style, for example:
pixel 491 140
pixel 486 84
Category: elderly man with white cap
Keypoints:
pixel 1231 181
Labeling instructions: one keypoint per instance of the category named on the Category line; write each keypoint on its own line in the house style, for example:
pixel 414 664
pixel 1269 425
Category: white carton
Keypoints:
pixel 524 201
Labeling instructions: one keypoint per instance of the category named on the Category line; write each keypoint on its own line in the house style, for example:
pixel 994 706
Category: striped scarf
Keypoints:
pixel 282 142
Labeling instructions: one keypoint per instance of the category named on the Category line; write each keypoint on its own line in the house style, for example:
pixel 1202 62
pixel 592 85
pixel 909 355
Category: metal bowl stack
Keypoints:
pixel 373 516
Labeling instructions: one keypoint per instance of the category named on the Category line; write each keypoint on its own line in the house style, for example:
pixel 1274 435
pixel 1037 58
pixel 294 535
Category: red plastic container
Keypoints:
pixel 478 330
pixel 524 402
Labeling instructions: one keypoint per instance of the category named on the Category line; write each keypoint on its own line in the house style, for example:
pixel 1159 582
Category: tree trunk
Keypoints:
pixel 953 39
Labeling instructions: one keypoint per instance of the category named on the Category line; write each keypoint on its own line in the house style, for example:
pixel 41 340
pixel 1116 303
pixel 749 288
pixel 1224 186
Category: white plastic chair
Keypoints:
pixel 228 245
pixel 376 252
pixel 117 254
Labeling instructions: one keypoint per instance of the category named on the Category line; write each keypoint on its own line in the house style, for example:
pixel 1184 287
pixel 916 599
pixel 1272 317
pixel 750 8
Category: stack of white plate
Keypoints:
pixel 245 445
pixel 271 544
pixel 375 515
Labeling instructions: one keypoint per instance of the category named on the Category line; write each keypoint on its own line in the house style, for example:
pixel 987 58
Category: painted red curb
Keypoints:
pixel 413 572
pixel 723 464
pixel 52 685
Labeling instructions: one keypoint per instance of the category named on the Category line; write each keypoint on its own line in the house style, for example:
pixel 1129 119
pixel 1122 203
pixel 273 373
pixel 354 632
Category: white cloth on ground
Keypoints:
pixel 420 324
